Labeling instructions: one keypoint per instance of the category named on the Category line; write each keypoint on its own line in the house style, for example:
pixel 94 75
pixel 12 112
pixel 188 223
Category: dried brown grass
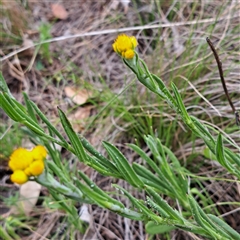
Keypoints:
pixel 168 54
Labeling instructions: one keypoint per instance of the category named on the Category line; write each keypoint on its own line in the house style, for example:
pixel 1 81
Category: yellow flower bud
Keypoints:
pixel 129 54
pixel 19 177
pixel 125 45
pixel 20 159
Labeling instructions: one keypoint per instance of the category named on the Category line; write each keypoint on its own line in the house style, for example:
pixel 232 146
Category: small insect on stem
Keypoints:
pixel 219 63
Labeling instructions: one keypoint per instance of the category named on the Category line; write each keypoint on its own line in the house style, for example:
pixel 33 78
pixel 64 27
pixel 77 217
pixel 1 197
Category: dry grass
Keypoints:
pixel 176 53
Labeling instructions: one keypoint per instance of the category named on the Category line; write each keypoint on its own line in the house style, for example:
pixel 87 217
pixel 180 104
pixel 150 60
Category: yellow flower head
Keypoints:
pixel 19 176
pixel 125 45
pixel 20 159
pixel 35 169
pixel 39 153
pixel 25 164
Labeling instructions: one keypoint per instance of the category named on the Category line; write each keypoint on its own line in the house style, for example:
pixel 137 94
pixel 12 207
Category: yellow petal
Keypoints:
pixel 134 41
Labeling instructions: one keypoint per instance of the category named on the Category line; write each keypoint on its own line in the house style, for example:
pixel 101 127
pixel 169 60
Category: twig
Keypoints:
pixel 237 118
pixel 219 63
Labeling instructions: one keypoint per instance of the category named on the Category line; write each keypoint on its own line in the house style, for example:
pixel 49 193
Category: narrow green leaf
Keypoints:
pixel 61 201
pixel 54 155
pixel 203 131
pixel 234 234
pixel 47 180
pixel 29 107
pixel 73 137
pixel 163 204
pixel 200 220
pixel 47 122
pixel 3 84
pixel 150 162
pixel 136 203
pixel 94 163
pixel 219 152
pixel 123 166
pixel 148 80
pixel 33 127
pixel 132 65
pixel 214 226
pixel 152 146
pixel 58 171
pixel 8 109
pixel 100 158
pixel 153 228
pixel 17 108
pixel 234 156
pixel 166 93
pixel 96 189
pixel 4 234
pixel 157 208
pixel 176 164
pixel 151 178
pixel 97 198
pixel 183 112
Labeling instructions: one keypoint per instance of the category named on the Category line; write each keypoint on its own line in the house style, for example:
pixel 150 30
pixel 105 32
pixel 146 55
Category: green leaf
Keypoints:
pixel 47 180
pixel 61 201
pixel 157 208
pixel 234 234
pixel 104 202
pixel 219 152
pixel 58 171
pixel 202 219
pixel 29 107
pixel 165 93
pixel 94 163
pixel 209 154
pixel 96 189
pixel 234 156
pixel 139 205
pixel 4 234
pixel 54 154
pixel 99 157
pixel 18 110
pixel 47 122
pixel 6 106
pixel 123 166
pixel 203 132
pixel 183 112
pixel 164 205
pixel 160 183
pixel 176 164
pixel 150 162
pixel 153 228
pixel 73 137
pixel 3 85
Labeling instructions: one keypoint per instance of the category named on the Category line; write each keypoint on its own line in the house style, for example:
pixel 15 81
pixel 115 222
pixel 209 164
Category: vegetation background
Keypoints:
pixel 89 82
